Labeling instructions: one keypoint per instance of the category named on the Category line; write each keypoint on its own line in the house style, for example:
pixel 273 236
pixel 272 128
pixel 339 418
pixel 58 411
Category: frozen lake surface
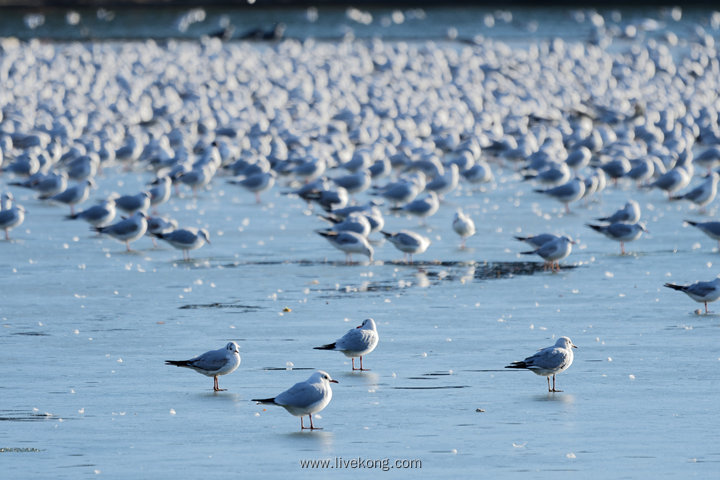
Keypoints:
pixel 86 325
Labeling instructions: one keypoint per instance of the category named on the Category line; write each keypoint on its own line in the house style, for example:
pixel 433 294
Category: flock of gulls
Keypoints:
pixel 364 133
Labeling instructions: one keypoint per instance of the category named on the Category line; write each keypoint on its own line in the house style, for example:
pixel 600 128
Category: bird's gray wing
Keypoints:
pixel 701 289
pixel 212 360
pixel 547 358
pixel 301 395
pixel 181 236
pixel 122 228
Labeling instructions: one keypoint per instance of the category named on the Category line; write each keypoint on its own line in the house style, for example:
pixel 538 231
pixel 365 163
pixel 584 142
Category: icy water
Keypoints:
pixel 86 327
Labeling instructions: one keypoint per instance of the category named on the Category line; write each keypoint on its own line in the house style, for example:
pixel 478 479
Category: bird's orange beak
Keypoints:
pixel 334 381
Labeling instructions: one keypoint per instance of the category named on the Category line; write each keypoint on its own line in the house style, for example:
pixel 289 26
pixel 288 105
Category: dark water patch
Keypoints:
pixel 286 368
pixel 19 450
pixel 243 308
pixel 31 334
pixel 20 416
pixel 445 387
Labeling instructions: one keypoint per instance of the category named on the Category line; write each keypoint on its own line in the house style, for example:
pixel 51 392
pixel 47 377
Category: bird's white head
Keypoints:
pixel 204 234
pixel 320 376
pixel 565 342
pixel 368 324
pixel 232 347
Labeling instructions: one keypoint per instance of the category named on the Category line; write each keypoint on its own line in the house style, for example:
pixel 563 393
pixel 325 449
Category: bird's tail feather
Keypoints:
pixel 177 363
pixel 329 346
pixel 517 365
pixel 263 400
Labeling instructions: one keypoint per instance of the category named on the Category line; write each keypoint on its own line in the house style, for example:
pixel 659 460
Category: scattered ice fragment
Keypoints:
pixel 570 455
pixel 609 274
pixel 289 365
pixel 172 411
pixel 631 376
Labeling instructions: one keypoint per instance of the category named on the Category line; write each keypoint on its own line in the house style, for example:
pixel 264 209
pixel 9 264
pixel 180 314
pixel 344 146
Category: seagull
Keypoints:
pixel 213 363
pixel 703 194
pixel 354 182
pixel 133 203
pixel 446 183
pixel 421 207
pixel 186 239
pixel 554 251
pixel 621 232
pixel 74 195
pixel 463 226
pixel 672 180
pixel 160 191
pixel 45 185
pixel 349 242
pixel 304 398
pixel 566 193
pixel 711 229
pixel 356 342
pixel 98 215
pixel 257 183
pixel 11 218
pixel 630 213
pixel 354 222
pixel 408 242
pixel 127 230
pixel 549 361
pixel 537 241
pixel 702 292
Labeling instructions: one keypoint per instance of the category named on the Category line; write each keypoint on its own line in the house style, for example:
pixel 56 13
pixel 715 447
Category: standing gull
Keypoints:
pixel 630 213
pixel 553 251
pixel 567 192
pixel 702 292
pixel 621 232
pixel 98 215
pixel 127 230
pixel 304 398
pixel 349 242
pixel 408 242
pixel 213 363
pixel 11 218
pixel 186 239
pixel 74 195
pixel 356 342
pixel 549 361
pixel 463 226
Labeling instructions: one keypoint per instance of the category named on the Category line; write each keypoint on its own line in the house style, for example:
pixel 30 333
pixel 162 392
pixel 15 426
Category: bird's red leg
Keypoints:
pixel 352 359
pixel 313 427
pixel 706 309
pixel 548 380
pixel 302 427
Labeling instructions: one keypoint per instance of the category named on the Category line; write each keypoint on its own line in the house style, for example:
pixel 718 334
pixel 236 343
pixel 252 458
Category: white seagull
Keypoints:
pixel 213 363
pixel 537 241
pixel 11 218
pixel 630 213
pixel 98 215
pixel 703 194
pixel 356 342
pixel 74 195
pixel 408 242
pixel 554 251
pixel 349 242
pixel 127 230
pixel 566 193
pixel 186 239
pixel 620 232
pixel 304 398
pixel 549 361
pixel 463 226
pixel 702 292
